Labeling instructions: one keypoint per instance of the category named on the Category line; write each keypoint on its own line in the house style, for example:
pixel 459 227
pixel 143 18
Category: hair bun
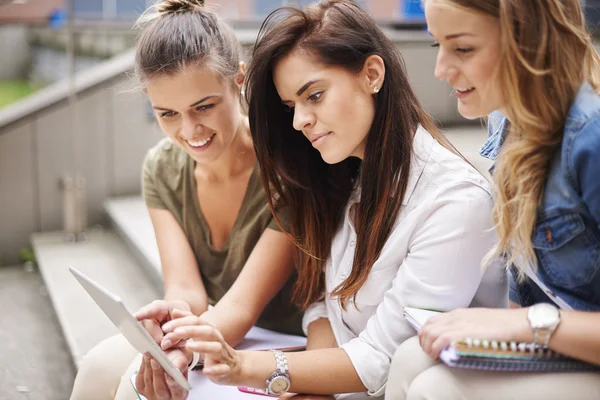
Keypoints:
pixel 180 6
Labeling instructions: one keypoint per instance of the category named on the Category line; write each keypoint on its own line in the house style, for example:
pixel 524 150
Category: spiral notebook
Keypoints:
pixel 488 355
pixel 510 357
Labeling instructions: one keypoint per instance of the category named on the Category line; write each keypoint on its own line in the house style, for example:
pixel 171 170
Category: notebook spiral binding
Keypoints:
pixel 488 355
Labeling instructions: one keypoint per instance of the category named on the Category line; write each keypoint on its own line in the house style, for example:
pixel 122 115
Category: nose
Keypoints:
pixel 303 118
pixel 444 70
pixel 189 127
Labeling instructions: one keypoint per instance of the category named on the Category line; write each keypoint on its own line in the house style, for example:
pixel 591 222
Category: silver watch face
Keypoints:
pixel 543 315
pixel 279 385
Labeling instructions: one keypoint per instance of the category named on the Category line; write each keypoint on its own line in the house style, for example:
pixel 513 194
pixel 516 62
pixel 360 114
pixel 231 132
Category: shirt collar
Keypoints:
pixel 498 127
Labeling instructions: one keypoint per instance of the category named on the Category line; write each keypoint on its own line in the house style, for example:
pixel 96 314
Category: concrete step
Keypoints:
pixel 129 217
pixel 105 258
pixel 32 346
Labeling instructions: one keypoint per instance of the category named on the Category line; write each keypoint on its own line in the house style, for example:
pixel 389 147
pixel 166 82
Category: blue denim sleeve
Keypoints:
pixel 585 165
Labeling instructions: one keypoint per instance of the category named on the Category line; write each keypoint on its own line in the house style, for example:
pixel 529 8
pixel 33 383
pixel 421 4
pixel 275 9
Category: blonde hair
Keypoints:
pixel 546 55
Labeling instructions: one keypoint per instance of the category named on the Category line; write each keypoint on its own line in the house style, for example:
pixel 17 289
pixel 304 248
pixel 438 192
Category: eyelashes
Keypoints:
pixel 463 50
pixel 171 114
pixel 313 98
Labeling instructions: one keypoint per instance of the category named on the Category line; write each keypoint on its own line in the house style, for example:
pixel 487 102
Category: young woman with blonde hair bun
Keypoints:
pixel 205 198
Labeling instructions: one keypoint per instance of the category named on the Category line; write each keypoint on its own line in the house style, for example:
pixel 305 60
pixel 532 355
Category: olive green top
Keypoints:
pixel 169 183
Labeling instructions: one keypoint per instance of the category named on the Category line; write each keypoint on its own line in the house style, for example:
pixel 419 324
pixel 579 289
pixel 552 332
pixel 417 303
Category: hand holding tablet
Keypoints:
pixel 129 326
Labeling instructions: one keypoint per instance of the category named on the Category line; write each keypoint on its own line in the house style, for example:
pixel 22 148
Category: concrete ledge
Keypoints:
pixel 130 219
pixel 103 258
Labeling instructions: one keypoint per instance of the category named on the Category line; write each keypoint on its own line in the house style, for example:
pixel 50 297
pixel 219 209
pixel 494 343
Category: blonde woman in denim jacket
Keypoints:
pixel 532 66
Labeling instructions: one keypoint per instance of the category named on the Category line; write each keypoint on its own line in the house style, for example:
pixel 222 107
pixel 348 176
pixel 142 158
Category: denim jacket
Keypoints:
pixel 566 238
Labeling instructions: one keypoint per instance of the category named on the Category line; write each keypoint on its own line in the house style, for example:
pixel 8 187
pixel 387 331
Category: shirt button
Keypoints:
pixel 343 275
pixel 352 243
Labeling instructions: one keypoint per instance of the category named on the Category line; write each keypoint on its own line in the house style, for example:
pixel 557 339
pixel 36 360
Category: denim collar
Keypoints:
pixel 498 126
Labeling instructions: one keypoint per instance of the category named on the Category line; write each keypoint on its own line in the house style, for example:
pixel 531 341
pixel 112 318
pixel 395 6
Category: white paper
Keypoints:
pixel 417 317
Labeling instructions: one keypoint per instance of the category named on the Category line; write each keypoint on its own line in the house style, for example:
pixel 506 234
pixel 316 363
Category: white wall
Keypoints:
pixel 14 51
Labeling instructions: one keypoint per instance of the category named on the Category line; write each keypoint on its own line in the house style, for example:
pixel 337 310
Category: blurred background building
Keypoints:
pixel 54 129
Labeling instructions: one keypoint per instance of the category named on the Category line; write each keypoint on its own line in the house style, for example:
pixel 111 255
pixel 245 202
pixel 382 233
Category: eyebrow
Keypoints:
pixel 193 105
pixel 453 35
pixel 303 89
pixel 457 35
pixel 306 86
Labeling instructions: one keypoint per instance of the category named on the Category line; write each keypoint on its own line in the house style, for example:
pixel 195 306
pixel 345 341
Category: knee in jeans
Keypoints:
pixel 101 369
pixel 432 384
pixel 409 359
pixel 96 362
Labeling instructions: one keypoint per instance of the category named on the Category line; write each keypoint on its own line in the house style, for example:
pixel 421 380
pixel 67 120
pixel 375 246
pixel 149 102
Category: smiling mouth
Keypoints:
pixel 464 90
pixel 201 143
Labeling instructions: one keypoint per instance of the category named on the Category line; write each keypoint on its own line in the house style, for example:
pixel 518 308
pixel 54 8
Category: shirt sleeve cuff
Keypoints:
pixel 371 366
pixel 313 313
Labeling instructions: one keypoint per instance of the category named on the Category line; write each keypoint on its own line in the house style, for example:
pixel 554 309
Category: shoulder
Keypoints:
pixel 585 108
pixel 446 170
pixel 447 186
pixel 583 120
pixel 165 157
pixel 581 138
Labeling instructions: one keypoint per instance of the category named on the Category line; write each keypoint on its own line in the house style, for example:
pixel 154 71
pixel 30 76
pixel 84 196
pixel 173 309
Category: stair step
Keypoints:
pixel 130 219
pixel 106 259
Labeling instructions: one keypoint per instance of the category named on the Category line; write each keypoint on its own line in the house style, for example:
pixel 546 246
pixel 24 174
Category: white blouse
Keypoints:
pixel 432 259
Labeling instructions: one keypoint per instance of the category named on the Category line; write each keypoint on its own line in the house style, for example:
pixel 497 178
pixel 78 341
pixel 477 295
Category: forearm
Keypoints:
pixel 232 320
pixel 578 335
pixel 196 299
pixel 320 335
pixel 325 371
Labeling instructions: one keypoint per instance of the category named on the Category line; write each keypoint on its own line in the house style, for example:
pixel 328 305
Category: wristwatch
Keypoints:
pixel 279 381
pixel 543 319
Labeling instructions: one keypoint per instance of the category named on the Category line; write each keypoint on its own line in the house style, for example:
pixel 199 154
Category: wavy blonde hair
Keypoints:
pixel 546 55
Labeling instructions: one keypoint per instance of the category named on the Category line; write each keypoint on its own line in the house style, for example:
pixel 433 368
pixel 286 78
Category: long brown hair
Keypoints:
pixel 546 55
pixel 335 33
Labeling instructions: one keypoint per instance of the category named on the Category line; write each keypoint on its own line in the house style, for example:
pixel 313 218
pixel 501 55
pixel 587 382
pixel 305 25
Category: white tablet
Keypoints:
pixel 129 326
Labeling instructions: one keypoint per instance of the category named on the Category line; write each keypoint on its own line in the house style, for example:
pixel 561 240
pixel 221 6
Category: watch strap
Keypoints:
pixel 281 362
pixel 281 371
pixel 541 336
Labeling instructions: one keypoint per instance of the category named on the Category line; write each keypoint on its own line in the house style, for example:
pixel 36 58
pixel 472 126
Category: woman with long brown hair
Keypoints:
pixel 385 213
pixel 533 66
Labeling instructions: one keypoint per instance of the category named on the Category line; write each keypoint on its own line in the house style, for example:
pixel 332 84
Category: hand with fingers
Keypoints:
pixel 153 383
pixel 475 323
pixel 157 313
pixel 222 363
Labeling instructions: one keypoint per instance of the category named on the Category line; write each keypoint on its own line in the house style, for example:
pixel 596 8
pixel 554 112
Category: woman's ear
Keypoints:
pixel 241 75
pixel 374 74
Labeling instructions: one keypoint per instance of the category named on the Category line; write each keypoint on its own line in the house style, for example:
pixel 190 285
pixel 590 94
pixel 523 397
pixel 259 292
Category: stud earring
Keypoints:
pixel 376 89
pixel 242 92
